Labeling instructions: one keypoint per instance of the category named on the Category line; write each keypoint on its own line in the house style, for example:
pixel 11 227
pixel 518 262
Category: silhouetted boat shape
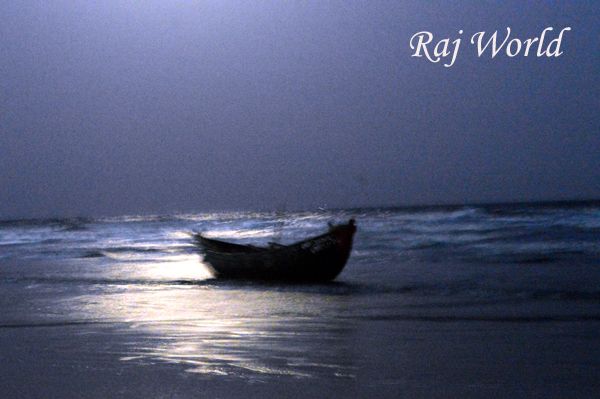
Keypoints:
pixel 320 258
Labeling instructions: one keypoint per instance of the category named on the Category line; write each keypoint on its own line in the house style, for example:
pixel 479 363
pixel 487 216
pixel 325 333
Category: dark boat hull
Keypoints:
pixel 320 258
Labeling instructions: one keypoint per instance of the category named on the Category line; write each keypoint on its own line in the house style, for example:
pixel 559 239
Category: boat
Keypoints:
pixel 316 259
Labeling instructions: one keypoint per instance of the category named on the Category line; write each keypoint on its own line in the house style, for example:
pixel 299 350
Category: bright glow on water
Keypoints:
pixel 141 278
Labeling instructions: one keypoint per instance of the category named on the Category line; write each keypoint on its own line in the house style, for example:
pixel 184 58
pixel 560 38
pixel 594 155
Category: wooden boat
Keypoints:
pixel 319 258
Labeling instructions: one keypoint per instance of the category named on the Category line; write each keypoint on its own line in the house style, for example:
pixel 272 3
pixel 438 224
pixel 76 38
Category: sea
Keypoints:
pixel 437 301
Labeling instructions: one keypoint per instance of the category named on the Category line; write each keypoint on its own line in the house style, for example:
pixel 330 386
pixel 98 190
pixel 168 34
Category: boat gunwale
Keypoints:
pixel 273 247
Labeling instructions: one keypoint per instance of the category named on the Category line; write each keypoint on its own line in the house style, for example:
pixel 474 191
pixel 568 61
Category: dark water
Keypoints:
pixel 139 281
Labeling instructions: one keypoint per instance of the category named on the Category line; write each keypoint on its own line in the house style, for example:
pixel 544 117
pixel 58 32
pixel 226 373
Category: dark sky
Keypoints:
pixel 119 107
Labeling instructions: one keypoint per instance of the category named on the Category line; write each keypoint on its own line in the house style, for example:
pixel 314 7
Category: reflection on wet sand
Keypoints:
pixel 240 330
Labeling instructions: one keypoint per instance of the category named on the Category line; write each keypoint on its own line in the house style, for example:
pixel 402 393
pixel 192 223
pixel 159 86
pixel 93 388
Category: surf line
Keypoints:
pixel 424 45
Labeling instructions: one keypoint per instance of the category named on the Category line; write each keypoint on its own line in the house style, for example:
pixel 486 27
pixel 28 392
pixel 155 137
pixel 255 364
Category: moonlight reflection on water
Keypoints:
pixel 244 330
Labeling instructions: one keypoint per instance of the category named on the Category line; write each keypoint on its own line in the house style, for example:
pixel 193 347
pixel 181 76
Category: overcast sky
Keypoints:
pixel 115 107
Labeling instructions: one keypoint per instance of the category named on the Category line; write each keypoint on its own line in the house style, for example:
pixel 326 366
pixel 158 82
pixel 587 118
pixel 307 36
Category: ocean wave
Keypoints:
pixel 65 223
pixel 93 254
pixel 525 233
